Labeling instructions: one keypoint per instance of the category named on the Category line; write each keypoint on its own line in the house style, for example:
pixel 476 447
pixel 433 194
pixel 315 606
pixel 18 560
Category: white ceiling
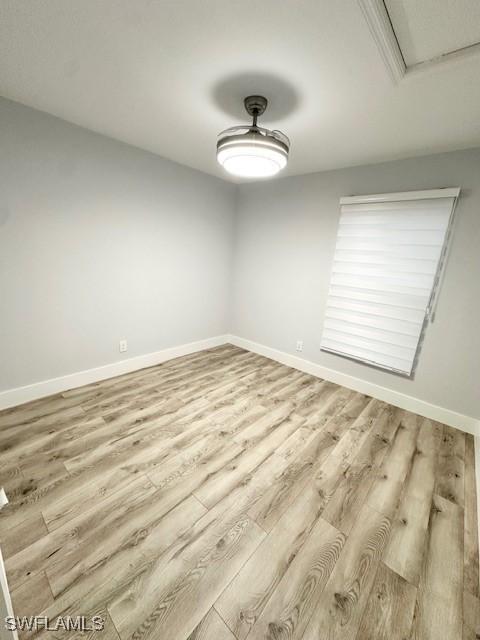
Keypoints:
pixel 168 75
pixel 432 28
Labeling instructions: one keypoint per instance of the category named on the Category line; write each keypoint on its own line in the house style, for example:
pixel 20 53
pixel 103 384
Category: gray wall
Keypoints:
pixel 101 241
pixel 284 245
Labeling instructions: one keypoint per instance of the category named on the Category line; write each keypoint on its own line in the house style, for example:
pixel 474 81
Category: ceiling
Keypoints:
pixel 432 28
pixel 168 75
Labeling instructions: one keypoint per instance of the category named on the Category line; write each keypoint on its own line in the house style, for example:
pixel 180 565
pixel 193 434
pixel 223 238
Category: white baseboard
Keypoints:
pixel 20 395
pixel 440 414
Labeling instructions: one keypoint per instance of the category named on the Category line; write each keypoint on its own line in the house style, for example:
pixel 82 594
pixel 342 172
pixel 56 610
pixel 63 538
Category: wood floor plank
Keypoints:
pixel 32 491
pixel 191 477
pixel 78 493
pixel 212 529
pixel 308 399
pixel 220 484
pixel 38 416
pixel 307 461
pixel 350 443
pixel 298 391
pixel 23 535
pixel 93 591
pixel 190 500
pixel 339 611
pixel 291 605
pixel 284 490
pixel 129 516
pixel 54 441
pixel 212 627
pixel 405 551
pixel 167 432
pixel 334 400
pixel 275 384
pixel 154 386
pixel 32 597
pixel 225 353
pixel 266 425
pixel 436 618
pixel 450 468
pixel 289 449
pixel 138 586
pixel 94 524
pixel 471 617
pixel 320 400
pixel 9 472
pixel 246 596
pixel 388 484
pixel 352 490
pixel 471 547
pixel 390 608
pixel 442 568
pixel 190 583
pixel 441 579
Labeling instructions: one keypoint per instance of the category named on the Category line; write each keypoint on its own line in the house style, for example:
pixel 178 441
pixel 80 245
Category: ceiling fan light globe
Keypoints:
pixel 252 153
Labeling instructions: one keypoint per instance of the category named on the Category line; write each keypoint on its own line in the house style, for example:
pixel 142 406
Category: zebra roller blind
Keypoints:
pixel 387 263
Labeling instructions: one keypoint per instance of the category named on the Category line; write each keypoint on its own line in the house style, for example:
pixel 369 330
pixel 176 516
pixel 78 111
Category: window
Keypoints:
pixel 388 257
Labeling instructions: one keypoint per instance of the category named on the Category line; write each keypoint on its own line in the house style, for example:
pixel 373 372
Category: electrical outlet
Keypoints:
pixel 299 345
pixel 123 346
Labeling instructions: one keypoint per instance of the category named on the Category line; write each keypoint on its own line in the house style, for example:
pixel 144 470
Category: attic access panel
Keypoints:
pixel 433 28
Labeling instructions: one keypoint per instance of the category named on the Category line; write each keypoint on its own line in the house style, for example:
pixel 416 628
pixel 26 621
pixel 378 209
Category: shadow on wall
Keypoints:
pixel 228 95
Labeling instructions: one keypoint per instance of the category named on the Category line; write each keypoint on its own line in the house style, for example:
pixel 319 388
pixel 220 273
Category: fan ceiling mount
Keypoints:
pixel 255 105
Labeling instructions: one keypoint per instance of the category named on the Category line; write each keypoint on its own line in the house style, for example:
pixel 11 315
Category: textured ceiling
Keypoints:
pixel 167 76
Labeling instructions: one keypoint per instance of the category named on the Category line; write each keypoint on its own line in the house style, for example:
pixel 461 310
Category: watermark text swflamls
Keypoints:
pixel 64 623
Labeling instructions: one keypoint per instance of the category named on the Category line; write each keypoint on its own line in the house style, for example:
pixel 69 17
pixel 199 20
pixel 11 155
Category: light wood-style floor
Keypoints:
pixel 224 496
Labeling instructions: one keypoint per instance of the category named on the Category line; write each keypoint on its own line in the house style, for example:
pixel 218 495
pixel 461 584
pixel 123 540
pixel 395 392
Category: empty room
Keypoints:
pixel 239 319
